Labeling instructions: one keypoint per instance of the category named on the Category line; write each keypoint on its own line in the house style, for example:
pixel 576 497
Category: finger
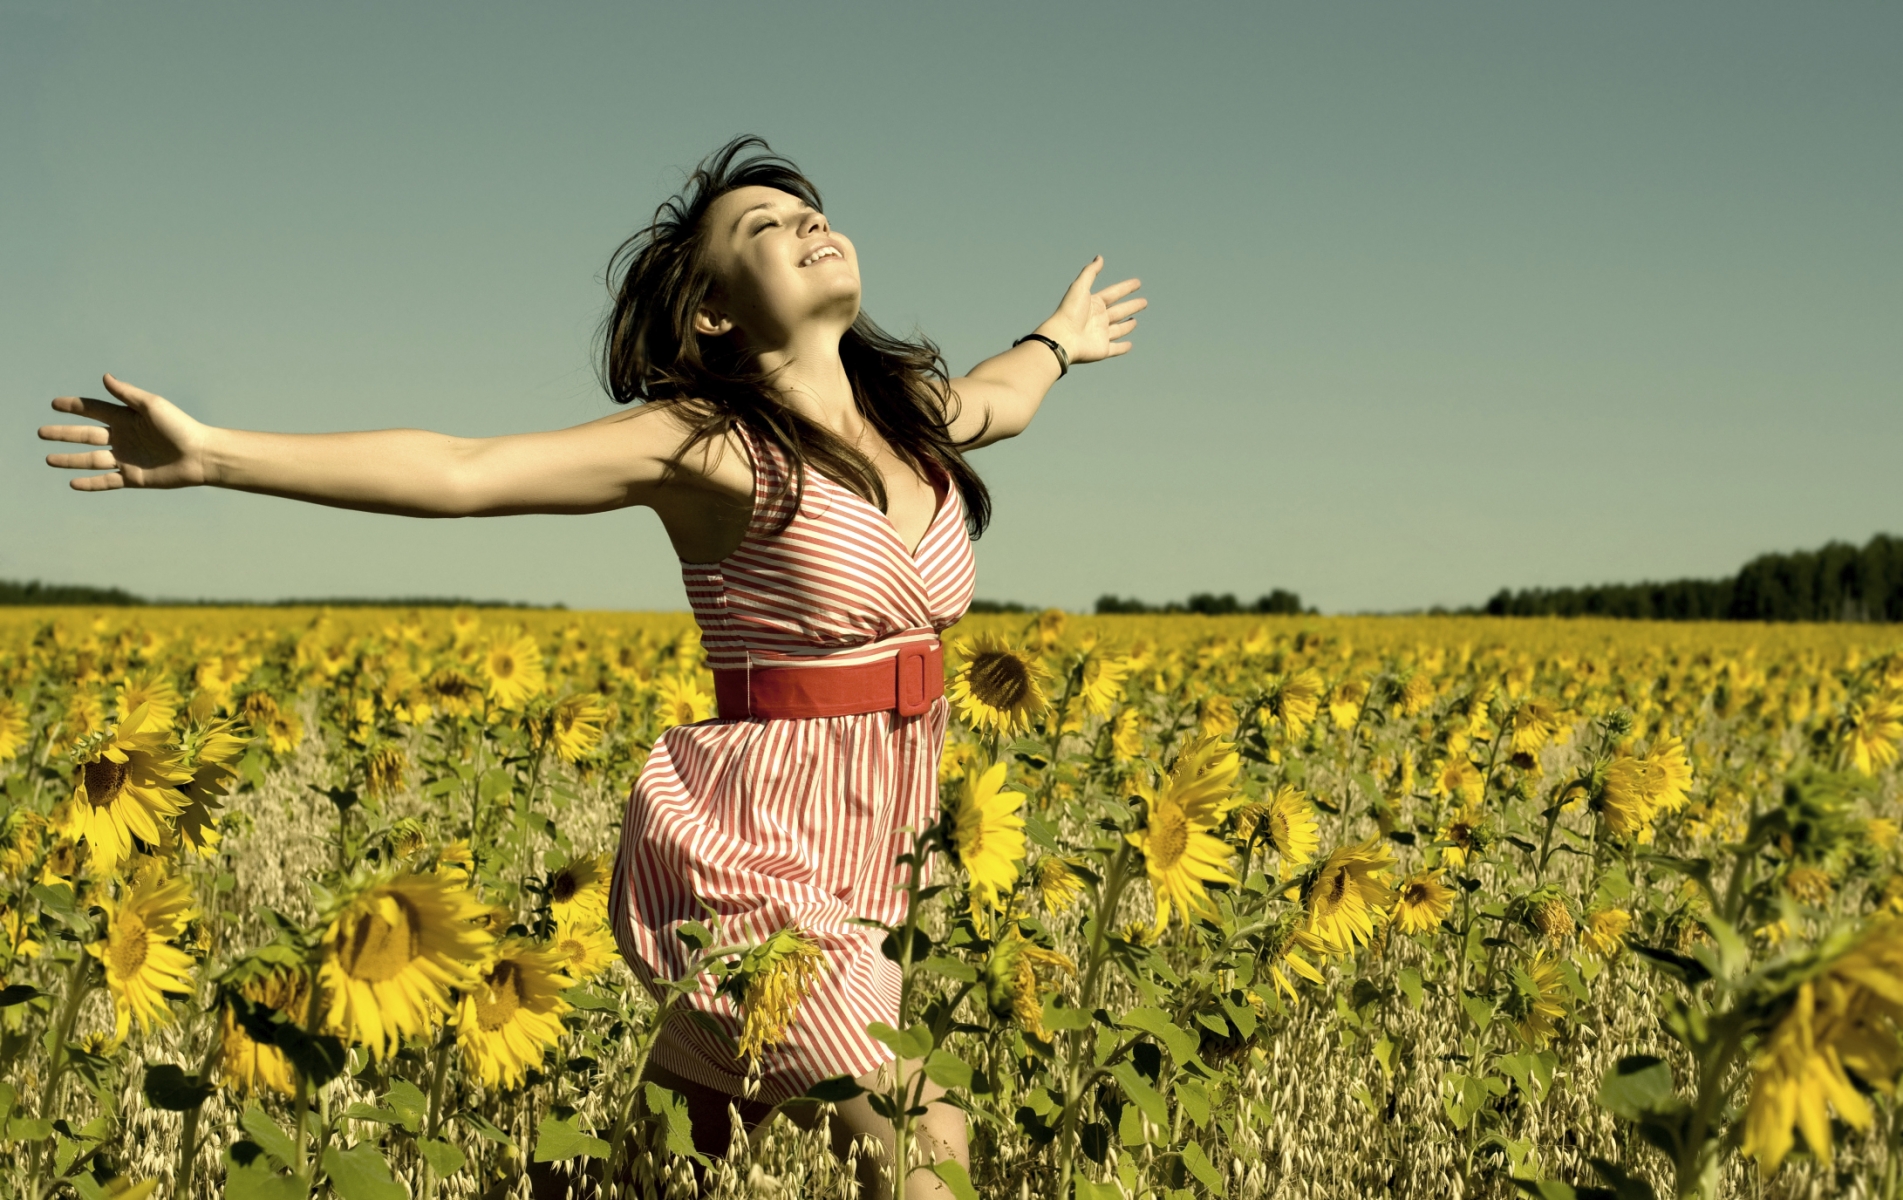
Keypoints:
pixel 99 483
pixel 85 406
pixel 1118 291
pixel 1117 348
pixel 136 398
pixel 1127 308
pixel 85 435
pixel 92 460
pixel 1088 275
pixel 1123 330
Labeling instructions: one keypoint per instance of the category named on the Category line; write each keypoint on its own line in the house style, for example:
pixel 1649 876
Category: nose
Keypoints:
pixel 814 222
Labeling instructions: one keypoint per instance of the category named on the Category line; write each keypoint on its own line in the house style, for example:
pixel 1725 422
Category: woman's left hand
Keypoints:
pixel 1088 324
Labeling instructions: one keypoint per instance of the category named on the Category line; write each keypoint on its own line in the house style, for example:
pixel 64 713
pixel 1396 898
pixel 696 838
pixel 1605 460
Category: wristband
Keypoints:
pixel 1063 359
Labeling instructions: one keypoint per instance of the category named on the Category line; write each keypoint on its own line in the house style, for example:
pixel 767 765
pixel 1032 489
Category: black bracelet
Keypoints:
pixel 1063 359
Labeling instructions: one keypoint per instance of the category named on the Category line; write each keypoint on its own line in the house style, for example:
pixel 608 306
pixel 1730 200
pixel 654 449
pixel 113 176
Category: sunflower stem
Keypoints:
pixel 78 984
pixel 432 1121
pixel 188 1138
pixel 1113 885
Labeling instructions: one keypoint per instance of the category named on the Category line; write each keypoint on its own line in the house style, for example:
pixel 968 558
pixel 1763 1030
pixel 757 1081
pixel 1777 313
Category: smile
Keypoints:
pixel 820 255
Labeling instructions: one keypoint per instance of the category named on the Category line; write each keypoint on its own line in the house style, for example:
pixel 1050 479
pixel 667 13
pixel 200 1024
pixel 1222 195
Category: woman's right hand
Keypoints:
pixel 151 442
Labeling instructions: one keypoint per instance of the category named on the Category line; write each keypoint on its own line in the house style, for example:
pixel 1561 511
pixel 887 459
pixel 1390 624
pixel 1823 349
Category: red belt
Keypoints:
pixel 907 681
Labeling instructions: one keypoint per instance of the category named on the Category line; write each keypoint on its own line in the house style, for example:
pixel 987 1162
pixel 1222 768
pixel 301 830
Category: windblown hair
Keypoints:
pixel 652 354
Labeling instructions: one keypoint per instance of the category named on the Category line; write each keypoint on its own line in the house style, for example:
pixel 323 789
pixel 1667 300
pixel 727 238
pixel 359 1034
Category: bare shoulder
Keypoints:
pixel 660 442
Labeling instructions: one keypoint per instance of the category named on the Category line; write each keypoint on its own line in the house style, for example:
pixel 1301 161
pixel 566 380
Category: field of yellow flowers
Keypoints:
pixel 299 903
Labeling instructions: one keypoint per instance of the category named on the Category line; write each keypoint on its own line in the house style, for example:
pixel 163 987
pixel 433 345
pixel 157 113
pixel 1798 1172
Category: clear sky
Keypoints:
pixel 1444 296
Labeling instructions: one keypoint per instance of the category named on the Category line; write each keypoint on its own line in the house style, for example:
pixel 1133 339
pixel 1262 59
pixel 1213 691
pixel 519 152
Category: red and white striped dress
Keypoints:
pixel 779 822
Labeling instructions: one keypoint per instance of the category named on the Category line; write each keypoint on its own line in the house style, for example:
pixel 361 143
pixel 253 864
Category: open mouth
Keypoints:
pixel 821 255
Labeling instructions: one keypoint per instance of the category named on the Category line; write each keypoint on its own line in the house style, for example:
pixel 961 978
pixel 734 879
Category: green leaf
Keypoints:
pixel 1480 1008
pixel 259 1180
pixel 28 1129
pixel 17 993
pixel 950 968
pixel 1637 1086
pixel 1086 1190
pixel 1193 1099
pixel 319 1057
pixel 443 1158
pixel 677 1127
pixel 836 1090
pixel 360 1173
pixel 1154 1021
pixel 583 996
pixel 1410 984
pixel 1141 1094
pixel 495 783
pixel 1199 1166
pixel 1064 1017
pixel 486 1129
pixel 365 1112
pixel 1464 1096
pixel 167 1086
pixel 947 1070
pixel 556 1140
pixel 409 1102
pixel 955 1179
pixel 264 1131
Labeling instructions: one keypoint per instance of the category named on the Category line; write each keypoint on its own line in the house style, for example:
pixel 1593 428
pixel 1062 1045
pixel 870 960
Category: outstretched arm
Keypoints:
pixel 150 443
pixel 1000 395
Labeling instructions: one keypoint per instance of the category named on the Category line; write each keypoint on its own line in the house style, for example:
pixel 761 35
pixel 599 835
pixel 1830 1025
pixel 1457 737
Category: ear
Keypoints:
pixel 711 322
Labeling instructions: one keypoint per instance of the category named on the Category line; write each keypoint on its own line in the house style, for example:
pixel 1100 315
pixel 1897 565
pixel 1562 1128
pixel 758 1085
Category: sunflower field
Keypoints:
pixel 299 903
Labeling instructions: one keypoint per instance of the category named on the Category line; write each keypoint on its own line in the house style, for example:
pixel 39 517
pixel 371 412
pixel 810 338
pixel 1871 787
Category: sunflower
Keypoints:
pixel 586 950
pixel 1672 772
pixel 575 726
pixel 150 690
pixel 1126 734
pixel 1846 1021
pixel 578 892
pixel 1417 692
pixel 1604 932
pixel 987 835
pixel 1534 725
pixel 13 728
pixel 455 861
pixel 1178 851
pixel 383 771
pixel 1294 702
pixel 1286 821
pixel 1459 780
pixel 21 836
pixel 512 671
pixel 1057 885
pixel 1536 1000
pixel 772 979
pixel 84 718
pixel 1349 894
pixel 1626 801
pixel 212 754
pixel 245 1064
pixel 390 952
pixel 142 966
pixel 1016 981
pixel 454 692
pixel 1102 684
pixel 1422 902
pixel 679 700
pixel 128 787
pixel 512 1014
pixel 1872 729
pixel 1001 688
pixel 1345 701
pixel 1294 942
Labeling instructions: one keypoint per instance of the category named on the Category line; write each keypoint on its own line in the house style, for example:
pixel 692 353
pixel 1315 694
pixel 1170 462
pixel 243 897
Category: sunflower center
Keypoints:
pixel 104 780
pixel 497 1004
pixel 502 666
pixel 375 950
pixel 1415 894
pixel 566 885
pixel 127 947
pixel 1001 680
pixel 1168 840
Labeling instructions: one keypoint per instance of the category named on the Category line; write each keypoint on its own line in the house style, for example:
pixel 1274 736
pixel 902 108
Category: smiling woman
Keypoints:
pixel 809 469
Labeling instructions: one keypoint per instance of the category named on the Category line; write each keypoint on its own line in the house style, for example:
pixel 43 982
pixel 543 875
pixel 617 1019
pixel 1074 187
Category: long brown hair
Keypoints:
pixel 652 354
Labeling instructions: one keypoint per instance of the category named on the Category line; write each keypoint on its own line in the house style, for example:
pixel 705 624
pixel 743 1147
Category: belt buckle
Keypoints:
pixel 911 663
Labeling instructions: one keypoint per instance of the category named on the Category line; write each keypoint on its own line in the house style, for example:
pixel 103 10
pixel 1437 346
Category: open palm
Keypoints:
pixel 149 442
pixel 1088 324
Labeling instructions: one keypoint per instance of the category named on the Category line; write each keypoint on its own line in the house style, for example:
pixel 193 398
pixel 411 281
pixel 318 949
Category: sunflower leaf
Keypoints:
pixel 956 1179
pixel 264 1131
pixel 1182 1045
pixel 443 1158
pixel 1200 1166
pixel 360 1173
pixel 167 1086
pixel 1147 1099
pixel 557 1139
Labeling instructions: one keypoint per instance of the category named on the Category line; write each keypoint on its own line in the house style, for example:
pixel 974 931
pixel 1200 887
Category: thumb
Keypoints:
pixel 136 398
pixel 1088 275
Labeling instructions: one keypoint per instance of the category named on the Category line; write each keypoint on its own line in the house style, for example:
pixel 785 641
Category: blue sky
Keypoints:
pixel 1444 297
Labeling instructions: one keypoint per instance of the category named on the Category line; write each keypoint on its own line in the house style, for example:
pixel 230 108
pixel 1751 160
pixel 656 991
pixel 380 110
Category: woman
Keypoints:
pixel 809 470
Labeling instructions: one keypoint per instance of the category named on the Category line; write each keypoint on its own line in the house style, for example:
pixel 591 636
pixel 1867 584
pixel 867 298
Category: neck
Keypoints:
pixel 812 380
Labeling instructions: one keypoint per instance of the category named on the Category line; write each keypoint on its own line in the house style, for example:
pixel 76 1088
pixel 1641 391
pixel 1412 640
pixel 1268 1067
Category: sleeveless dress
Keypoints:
pixel 772 823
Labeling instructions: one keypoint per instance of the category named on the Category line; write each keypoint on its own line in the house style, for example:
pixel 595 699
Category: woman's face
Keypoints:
pixel 780 269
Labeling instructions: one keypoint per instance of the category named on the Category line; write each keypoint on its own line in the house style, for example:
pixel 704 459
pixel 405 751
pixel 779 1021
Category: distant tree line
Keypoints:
pixel 35 592
pixel 1837 583
pixel 1208 604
